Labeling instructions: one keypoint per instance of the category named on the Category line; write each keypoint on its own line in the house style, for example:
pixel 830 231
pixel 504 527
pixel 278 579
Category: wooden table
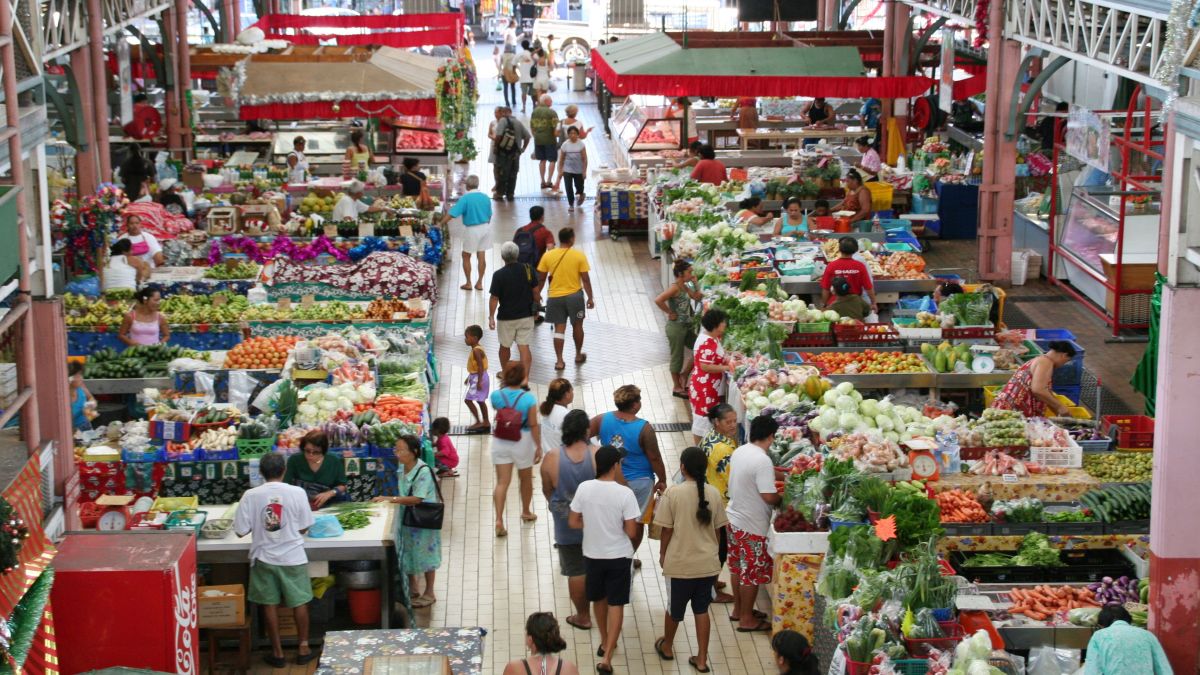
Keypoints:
pixel 796 136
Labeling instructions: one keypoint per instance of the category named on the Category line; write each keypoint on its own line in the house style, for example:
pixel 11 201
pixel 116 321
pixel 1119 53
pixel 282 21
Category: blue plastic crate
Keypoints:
pixel 1074 393
pixel 217 455
pixel 924 205
pixel 1070 375
pixel 358 451
pixel 1053 334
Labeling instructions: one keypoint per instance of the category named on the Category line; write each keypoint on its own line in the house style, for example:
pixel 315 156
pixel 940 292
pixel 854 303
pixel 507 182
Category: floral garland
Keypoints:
pixel 88 227
pixel 983 9
pixel 13 533
pixel 280 247
pixel 457 93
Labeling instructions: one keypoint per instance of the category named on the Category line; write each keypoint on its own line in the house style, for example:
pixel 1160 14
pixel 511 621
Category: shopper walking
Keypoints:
pixel 509 77
pixel 641 460
pixel 677 303
pixel 705 389
pixel 559 397
pixel 323 478
pixel 276 516
pixel 544 125
pixel 567 269
pixel 478 383
pixel 607 512
pixel 544 644
pixel 534 239
pixel 512 138
pixel 564 469
pixel 144 324
pixel 571 119
pixel 541 79
pixel 692 517
pixel 475 209
pixel 572 165
pixel 512 306
pixel 516 442
pixel 526 68
pixel 418 549
pixel 752 495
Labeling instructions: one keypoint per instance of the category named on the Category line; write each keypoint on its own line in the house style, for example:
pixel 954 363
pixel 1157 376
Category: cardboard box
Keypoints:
pixel 193 178
pixel 169 431
pixel 287 622
pixel 221 605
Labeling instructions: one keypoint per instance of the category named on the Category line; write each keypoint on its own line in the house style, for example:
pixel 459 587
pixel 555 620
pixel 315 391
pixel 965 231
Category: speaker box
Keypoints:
pixel 788 10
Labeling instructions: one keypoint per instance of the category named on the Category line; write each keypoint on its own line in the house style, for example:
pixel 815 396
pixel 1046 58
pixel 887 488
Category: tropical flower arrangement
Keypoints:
pixel 457 93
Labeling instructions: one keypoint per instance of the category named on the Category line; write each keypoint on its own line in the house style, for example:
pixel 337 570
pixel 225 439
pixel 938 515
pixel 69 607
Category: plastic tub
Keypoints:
pixel 1053 334
pixel 364 606
pixel 1133 431
pixel 1072 373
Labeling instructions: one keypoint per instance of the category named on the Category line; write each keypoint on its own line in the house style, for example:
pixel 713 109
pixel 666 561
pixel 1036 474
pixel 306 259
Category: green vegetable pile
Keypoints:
pixel 1073 516
pixel 353 516
pixel 136 361
pixel 1035 551
pixel 1023 510
pixel 1119 502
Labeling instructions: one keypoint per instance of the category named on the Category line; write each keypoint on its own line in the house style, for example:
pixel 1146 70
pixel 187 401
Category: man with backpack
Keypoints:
pixel 532 241
pixel 512 307
pixel 511 139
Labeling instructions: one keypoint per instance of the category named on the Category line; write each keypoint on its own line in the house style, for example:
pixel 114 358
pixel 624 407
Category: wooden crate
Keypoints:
pixel 255 219
pixel 223 220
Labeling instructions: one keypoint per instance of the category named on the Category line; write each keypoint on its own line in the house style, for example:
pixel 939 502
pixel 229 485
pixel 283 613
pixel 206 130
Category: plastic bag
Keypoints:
pixel 325 526
pixel 1047 660
pixel 925 626
pixel 969 309
pixel 921 303
pixel 241 388
pixel 262 402
pixel 205 386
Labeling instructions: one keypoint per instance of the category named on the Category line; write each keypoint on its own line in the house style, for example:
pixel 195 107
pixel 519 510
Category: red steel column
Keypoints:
pixel 174 141
pixel 832 14
pixel 99 88
pixel 895 36
pixel 995 226
pixel 53 394
pixel 184 78
pixel 86 161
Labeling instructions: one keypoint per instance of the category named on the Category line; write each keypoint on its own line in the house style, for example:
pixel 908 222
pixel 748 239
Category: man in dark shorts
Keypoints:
pixel 543 123
pixel 608 513
pixel 567 270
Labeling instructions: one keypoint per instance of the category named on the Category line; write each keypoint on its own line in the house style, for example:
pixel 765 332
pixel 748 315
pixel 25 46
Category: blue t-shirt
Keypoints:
pixel 626 436
pixel 521 400
pixel 475 208
pixel 78 419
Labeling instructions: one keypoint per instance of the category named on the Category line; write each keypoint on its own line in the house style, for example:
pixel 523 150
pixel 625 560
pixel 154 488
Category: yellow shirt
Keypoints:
pixel 566 267
pixel 482 361
pixel 718 448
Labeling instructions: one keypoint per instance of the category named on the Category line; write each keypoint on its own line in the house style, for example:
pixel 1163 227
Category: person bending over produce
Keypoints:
pixel 322 477
pixel 1119 648
pixel 1029 389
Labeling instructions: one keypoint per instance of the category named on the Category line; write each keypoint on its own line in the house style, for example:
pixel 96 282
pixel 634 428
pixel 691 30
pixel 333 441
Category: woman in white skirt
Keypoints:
pixel 522 454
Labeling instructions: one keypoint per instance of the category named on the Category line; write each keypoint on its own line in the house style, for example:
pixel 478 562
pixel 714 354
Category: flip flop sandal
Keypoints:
pixel 762 627
pixel 302 659
pixel 465 287
pixel 578 626
pixel 275 661
pixel 423 602
pixel 582 358
pixel 560 366
pixel 692 663
pixel 658 649
pixel 530 518
pixel 679 394
pixel 601 668
pixel 501 532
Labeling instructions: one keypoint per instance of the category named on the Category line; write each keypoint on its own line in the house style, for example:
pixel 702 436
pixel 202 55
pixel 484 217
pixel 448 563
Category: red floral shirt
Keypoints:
pixel 703 388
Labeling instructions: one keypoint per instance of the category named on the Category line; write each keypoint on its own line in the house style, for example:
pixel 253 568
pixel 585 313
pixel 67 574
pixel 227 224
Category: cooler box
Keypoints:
pixel 126 600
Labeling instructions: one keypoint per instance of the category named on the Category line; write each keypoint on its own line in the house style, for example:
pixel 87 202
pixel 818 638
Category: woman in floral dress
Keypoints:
pixel 418 551
pixel 708 372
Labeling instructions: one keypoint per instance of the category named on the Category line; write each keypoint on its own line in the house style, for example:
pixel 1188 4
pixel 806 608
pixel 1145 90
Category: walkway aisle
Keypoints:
pixel 498 583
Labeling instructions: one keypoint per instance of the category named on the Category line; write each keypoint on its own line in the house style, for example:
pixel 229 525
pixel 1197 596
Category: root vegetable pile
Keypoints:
pixel 959 506
pixel 1042 602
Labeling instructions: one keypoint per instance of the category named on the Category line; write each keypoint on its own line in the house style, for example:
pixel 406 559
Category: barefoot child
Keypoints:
pixel 477 379
pixel 445 452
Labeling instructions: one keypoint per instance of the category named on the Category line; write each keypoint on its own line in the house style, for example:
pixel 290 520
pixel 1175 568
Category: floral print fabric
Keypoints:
pixel 703 388
pixel 388 275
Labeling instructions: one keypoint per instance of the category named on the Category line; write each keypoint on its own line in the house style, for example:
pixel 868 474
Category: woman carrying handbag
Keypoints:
pixel 418 534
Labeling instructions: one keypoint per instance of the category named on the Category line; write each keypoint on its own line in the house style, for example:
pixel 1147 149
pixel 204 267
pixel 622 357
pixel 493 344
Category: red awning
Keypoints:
pixel 323 110
pixel 729 86
pixel 400 30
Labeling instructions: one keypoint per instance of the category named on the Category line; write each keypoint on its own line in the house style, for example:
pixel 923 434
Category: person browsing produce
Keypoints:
pixel 709 169
pixel 124 271
pixel 418 549
pixel 145 325
pixel 1028 391
pixel 693 156
pixel 81 399
pixel 708 372
pixel 323 477
pixel 752 496
pixel 676 302
pixel 1120 649
pixel 853 271
pixel 277 515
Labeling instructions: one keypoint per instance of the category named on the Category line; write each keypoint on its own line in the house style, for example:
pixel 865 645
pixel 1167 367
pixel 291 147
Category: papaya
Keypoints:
pixel 939 362
pixel 927 350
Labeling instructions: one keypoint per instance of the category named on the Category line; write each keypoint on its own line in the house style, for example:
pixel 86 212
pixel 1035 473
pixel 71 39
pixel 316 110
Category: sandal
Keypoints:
pixel 760 627
pixel 581 358
pixel 423 602
pixel 465 287
pixel 577 626
pixel 603 668
pixel 500 531
pixel 680 394
pixel 757 614
pixel 302 659
pixel 275 661
pixel 658 649
pixel 561 365
pixel 692 663
pixel 529 518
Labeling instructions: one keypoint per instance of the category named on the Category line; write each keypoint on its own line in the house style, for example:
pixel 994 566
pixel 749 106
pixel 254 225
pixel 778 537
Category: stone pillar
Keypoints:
pixel 995 226
pixel 86 162
pixel 53 394
pixel 99 77
pixel 895 36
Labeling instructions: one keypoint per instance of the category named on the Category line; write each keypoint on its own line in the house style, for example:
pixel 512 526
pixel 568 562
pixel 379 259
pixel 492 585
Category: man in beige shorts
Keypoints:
pixel 512 307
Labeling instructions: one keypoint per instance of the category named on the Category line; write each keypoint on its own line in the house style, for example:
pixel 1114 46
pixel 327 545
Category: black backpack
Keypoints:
pixel 526 241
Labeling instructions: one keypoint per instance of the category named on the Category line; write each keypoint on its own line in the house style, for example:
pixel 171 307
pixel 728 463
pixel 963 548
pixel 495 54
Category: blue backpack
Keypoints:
pixel 526 241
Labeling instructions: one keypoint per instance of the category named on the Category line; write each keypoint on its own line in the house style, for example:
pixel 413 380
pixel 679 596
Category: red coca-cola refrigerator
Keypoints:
pixel 126 599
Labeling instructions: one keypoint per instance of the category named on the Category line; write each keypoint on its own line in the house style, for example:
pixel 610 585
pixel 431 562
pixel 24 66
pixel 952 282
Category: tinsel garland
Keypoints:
pixel 1180 22
pixel 26 618
pixel 366 247
pixel 457 93
pixel 280 246
pixel 983 9
pixel 13 533
pixel 433 247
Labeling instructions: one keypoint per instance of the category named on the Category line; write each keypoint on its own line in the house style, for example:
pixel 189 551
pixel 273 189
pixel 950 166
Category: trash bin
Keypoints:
pixel 579 77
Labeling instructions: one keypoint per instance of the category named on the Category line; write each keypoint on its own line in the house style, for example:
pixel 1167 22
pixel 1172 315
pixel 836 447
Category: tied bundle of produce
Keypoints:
pixel 1023 510
pixel 1003 428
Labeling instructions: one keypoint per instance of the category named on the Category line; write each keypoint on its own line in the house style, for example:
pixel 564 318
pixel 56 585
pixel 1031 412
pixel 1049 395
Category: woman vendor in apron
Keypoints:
pixel 323 476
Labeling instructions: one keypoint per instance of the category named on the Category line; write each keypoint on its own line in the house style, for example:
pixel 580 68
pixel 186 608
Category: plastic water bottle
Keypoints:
pixel 949 453
pixel 876 225
pixel 256 478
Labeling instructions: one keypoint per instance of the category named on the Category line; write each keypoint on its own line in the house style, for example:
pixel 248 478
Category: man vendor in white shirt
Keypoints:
pixel 350 205
pixel 277 515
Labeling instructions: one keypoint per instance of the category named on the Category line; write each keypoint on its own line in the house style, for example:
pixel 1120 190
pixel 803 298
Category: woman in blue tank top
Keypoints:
pixel 634 436
pixel 562 472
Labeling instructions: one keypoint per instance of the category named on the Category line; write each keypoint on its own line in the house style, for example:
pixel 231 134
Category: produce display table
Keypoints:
pixel 1065 488
pixel 85 343
pixel 133 385
pixel 792 592
pixel 623 208
pixel 345 651
pixel 796 136
pixel 1136 542
pixel 373 542
pixel 713 128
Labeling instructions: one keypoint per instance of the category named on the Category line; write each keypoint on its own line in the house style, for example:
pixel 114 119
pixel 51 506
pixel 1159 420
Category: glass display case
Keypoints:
pixel 1092 226
pixel 414 135
pixel 644 128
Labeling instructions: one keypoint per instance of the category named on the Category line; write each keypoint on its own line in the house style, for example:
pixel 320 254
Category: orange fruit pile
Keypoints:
pixel 260 352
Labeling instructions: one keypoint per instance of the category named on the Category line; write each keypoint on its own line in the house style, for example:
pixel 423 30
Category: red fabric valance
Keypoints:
pixel 323 110
pixel 749 85
pixel 411 30
pixel 964 89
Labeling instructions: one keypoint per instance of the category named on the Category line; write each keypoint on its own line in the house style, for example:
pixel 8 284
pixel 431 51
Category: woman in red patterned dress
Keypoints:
pixel 708 373
pixel 1028 391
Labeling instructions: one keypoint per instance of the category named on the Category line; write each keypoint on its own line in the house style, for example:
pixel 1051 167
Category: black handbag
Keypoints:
pixel 426 515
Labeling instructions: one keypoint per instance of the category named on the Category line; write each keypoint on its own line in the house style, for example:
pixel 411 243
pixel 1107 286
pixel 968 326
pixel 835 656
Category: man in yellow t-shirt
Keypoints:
pixel 567 270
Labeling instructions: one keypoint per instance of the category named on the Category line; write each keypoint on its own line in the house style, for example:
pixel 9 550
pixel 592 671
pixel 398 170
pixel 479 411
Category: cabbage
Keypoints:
pixel 844 388
pixel 870 422
pixel 345 403
pixel 831 315
pixel 885 405
pixel 884 422
pixel 791 400
pixel 846 404
pixel 849 420
pixel 307 409
pixel 831 397
pixel 892 436
pixel 828 417
pixel 869 407
pixel 776 395
pixel 856 396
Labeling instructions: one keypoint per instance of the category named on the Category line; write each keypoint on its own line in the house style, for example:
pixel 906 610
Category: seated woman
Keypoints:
pixel 751 214
pixel 692 158
pixel 858 198
pixel 792 222
pixel 870 164
pixel 124 271
pixel 709 169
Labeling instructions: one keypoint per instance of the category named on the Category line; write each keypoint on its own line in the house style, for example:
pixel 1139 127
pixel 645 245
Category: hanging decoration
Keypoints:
pixel 17 635
pixel 13 533
pixel 280 247
pixel 1181 21
pixel 982 10
pixel 457 94
pixel 88 227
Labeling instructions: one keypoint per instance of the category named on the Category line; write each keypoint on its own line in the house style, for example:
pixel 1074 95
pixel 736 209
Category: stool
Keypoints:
pixel 242 635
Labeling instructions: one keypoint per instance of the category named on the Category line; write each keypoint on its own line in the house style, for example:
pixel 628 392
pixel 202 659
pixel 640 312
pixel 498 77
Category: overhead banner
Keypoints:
pixel 1088 137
